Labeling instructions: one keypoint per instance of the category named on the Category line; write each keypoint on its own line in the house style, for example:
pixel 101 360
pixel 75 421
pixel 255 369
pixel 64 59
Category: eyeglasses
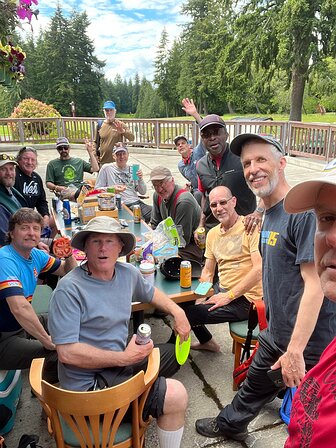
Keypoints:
pixel 207 133
pixel 160 183
pixel 7 157
pixel 62 148
pixel 222 203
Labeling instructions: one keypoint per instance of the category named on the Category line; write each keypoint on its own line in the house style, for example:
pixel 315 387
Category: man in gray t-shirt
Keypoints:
pixel 89 316
pixel 120 173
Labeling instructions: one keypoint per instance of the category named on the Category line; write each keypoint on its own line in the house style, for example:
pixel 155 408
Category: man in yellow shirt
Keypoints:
pixel 236 254
pixel 109 133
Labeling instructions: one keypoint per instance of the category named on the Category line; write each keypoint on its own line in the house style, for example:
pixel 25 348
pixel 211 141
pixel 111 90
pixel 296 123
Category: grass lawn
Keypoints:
pixel 329 118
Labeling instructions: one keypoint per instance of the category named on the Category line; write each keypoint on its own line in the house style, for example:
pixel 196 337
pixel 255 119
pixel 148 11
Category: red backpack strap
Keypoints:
pixel 260 307
pixel 175 200
pixel 178 194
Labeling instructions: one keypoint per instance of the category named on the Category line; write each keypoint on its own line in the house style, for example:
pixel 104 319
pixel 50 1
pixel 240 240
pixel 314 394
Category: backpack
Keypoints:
pixel 256 315
pixel 286 406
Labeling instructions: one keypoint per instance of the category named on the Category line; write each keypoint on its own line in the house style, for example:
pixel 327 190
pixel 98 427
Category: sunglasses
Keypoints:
pixel 207 133
pixel 7 157
pixel 222 203
pixel 62 148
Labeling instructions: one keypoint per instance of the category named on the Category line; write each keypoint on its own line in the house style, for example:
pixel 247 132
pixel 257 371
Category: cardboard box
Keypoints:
pixel 10 390
pixel 110 213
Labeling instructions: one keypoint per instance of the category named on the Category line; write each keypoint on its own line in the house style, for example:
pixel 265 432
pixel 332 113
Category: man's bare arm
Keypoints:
pixel 292 361
pixel 27 318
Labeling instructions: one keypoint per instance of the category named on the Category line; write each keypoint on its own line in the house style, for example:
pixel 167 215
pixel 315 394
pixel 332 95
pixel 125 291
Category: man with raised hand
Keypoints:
pixel 109 132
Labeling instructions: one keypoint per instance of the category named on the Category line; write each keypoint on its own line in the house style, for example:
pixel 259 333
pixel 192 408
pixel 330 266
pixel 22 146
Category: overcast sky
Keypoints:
pixel 126 33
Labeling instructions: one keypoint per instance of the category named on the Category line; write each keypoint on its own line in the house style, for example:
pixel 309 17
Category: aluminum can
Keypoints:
pixel 201 237
pixel 143 335
pixel 137 214
pixel 66 212
pixel 118 201
pixel 185 274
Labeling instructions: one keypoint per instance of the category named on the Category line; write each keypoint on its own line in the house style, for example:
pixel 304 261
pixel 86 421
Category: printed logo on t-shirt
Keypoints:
pixel 69 173
pixel 268 237
pixel 309 396
pixel 30 188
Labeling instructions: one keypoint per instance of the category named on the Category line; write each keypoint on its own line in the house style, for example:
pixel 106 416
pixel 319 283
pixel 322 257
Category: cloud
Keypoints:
pixel 125 33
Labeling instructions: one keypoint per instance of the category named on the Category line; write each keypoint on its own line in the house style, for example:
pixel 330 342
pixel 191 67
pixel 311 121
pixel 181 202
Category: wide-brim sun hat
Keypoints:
pixel 104 224
pixel 304 196
pixel 237 143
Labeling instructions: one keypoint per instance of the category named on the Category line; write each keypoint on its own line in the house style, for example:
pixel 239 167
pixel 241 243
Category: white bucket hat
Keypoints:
pixel 304 196
pixel 104 224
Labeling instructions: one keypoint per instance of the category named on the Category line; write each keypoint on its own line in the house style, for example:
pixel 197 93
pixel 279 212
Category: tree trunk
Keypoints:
pixel 299 76
pixel 230 107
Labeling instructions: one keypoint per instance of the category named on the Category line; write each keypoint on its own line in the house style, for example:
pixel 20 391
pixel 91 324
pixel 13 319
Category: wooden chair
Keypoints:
pixel 94 419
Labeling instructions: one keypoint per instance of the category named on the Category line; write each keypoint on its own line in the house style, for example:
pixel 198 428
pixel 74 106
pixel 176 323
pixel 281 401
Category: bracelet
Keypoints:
pixel 231 294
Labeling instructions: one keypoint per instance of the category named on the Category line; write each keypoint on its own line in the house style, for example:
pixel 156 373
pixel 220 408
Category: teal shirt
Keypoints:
pixel 67 172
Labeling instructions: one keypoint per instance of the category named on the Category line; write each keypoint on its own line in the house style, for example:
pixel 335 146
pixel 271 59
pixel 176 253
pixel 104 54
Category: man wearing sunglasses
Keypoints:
pixel 10 199
pixel 67 171
pixel 236 254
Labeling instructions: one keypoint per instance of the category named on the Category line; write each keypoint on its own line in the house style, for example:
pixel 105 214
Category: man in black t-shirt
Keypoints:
pixel 301 322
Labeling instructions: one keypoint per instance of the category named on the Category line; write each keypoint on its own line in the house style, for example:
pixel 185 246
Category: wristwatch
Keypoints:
pixel 260 210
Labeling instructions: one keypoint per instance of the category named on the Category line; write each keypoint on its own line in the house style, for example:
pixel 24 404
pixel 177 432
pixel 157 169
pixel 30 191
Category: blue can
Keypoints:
pixel 66 212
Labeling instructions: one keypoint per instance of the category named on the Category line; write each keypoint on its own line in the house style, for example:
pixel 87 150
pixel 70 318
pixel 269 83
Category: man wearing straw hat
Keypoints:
pixel 88 320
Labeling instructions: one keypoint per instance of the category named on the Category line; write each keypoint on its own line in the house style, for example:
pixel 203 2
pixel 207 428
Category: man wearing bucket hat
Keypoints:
pixel 88 320
pixel 120 173
pixel 109 132
pixel 301 323
pixel 314 404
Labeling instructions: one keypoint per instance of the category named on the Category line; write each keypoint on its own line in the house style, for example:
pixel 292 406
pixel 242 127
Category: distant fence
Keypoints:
pixel 307 139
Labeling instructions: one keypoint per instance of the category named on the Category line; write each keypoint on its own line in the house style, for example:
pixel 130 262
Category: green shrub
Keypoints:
pixel 31 108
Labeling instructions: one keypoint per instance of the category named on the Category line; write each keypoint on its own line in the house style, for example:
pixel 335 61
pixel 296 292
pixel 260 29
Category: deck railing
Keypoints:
pixel 307 139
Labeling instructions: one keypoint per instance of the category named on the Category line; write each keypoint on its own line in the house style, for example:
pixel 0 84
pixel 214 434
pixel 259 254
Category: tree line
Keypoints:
pixel 255 56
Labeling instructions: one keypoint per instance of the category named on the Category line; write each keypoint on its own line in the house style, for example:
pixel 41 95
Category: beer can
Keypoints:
pixel 66 212
pixel 143 335
pixel 137 214
pixel 118 201
pixel 185 274
pixel 201 237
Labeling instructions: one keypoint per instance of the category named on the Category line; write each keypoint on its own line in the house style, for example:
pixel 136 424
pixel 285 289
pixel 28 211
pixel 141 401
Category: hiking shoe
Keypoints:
pixel 208 427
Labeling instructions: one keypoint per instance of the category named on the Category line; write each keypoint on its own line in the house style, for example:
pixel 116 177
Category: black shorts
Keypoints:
pixel 155 400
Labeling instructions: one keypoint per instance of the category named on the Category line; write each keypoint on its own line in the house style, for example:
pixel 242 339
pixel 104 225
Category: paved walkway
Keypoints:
pixel 207 376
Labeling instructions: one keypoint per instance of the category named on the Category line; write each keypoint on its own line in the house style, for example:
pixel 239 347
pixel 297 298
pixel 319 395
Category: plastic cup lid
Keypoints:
pixel 182 350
